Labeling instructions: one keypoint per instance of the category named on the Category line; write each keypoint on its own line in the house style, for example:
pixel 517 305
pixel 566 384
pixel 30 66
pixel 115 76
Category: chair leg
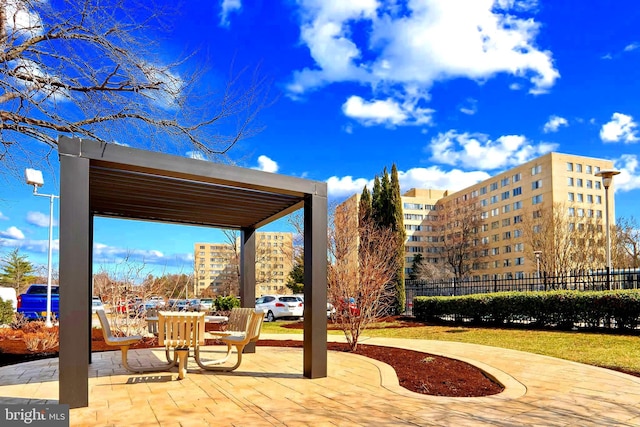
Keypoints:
pixel 138 370
pixel 214 365
pixel 182 354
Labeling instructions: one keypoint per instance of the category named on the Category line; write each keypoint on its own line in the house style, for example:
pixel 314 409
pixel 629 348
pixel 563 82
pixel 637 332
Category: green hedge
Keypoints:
pixel 226 303
pixel 562 309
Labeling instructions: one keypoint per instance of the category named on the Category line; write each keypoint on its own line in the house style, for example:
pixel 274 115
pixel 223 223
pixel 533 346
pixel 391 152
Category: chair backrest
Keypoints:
pixel 106 329
pixel 239 319
pixel 255 326
pixel 179 329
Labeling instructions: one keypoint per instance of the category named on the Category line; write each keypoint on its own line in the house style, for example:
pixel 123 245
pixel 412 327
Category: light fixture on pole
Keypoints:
pixel 537 254
pixel 607 178
pixel 34 177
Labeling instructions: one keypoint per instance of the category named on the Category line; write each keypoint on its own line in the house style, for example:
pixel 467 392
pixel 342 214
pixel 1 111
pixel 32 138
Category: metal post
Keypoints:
pixel 48 322
pixel 608 232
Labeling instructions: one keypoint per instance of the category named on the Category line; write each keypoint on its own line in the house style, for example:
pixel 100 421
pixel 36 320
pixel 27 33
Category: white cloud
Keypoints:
pixel 631 46
pixel 39 219
pixel 266 164
pixel 388 112
pixel 19 20
pixel 226 8
pixel 111 254
pixel 431 177
pixel 12 233
pixel 3 217
pixel 620 128
pixel 477 151
pixel 406 49
pixel 195 155
pixel 470 107
pixel 346 186
pixel 554 123
pixel 629 178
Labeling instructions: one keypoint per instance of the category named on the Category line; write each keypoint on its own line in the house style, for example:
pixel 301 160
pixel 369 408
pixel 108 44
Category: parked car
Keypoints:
pixel 33 303
pixel 348 304
pixel 331 311
pixel 96 304
pixel 178 305
pixel 277 306
pixel 204 304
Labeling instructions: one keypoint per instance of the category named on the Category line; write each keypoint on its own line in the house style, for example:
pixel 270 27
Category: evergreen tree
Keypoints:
pixel 396 224
pixel 365 209
pixel 386 209
pixel 415 266
pixel 17 271
pixel 377 200
pixel 295 280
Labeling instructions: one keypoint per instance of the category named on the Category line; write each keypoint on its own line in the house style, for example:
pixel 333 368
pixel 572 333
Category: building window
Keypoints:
pixel 580 212
pixel 506 222
pixel 484 202
pixel 596 169
pixel 506 235
pixel 578 167
pixel 517 205
pixel 506 208
pixel 494 199
pixel 572 212
pixel 483 190
pixel 504 182
pixel 598 200
pixel 536 199
pixel 570 182
pixel 536 184
pixel 517 177
pixel 493 186
pixel 495 212
pixel 569 167
pixel 571 197
pixel 536 170
pixel 412 206
pixel 517 219
pixel 495 224
pixel 589 184
pixel 507 262
pixel 588 169
pixel 507 249
pixel 598 214
pixel 579 182
pixel 517 191
pixel 598 185
pixel 589 198
pixel 495 238
pixel 519 261
pixel 518 247
pixel 580 198
pixel 517 233
pixel 505 195
pixel 537 214
pixel 484 215
pixel 495 251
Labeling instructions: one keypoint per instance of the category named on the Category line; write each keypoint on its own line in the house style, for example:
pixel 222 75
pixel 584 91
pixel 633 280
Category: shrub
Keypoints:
pixel 41 341
pixel 6 312
pixel 226 303
pixel 560 309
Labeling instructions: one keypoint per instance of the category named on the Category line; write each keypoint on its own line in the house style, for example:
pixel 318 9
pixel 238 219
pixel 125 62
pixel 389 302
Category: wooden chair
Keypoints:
pixel 124 343
pixel 237 340
pixel 180 331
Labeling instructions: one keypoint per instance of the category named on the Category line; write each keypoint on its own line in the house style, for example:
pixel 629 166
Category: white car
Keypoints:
pixel 277 306
pixel 96 304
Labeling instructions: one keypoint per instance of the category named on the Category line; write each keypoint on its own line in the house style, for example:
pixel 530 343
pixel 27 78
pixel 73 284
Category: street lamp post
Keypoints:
pixel 34 177
pixel 537 254
pixel 607 178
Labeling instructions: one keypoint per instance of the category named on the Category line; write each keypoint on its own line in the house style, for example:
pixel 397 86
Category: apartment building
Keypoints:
pixel 217 264
pixel 504 202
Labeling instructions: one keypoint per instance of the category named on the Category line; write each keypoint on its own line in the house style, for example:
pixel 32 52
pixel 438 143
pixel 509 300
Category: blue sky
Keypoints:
pixel 452 91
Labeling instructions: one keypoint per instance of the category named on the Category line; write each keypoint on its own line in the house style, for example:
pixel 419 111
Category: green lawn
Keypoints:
pixel 606 350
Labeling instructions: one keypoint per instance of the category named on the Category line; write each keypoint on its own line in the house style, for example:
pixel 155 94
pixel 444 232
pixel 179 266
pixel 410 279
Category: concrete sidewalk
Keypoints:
pixel 268 389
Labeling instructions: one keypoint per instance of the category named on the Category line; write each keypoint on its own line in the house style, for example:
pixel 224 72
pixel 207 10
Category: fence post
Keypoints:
pixel 495 283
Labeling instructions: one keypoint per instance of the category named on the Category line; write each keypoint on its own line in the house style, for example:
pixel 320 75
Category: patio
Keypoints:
pixel 269 389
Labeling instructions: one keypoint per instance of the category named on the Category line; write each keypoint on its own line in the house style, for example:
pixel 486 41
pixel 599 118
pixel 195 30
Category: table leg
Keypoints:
pixel 182 355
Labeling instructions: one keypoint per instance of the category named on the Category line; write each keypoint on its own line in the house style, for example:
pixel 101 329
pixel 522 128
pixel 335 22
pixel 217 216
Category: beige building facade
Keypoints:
pixel 216 265
pixel 505 203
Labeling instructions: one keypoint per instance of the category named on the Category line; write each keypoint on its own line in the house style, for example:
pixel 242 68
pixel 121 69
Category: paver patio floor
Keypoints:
pixel 269 389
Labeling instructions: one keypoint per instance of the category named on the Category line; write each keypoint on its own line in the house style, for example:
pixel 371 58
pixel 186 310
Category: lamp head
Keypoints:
pixel 607 176
pixel 34 177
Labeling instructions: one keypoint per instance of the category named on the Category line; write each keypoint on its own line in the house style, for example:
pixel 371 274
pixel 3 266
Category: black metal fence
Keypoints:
pixel 597 280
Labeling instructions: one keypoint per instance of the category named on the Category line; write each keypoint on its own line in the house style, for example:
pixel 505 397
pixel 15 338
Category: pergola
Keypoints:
pixel 116 181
